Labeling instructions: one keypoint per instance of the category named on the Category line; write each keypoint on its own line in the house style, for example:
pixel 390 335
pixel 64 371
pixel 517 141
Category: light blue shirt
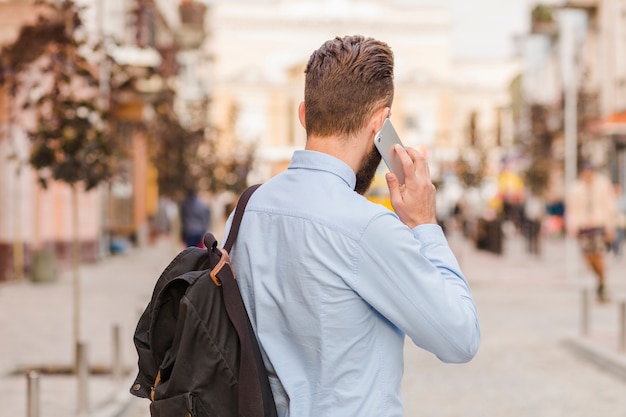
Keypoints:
pixel 333 282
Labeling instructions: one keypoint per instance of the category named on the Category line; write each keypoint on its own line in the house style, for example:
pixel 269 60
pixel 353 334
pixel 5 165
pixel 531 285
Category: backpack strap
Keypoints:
pixel 255 395
pixel 241 207
pixel 251 390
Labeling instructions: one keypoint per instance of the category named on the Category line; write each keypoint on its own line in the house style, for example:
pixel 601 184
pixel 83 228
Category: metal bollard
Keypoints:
pixel 584 318
pixel 32 380
pixel 622 326
pixel 116 365
pixel 83 376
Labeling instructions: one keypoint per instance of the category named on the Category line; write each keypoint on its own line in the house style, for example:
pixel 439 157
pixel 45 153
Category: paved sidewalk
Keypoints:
pixel 593 335
pixel 559 267
pixel 36 330
pixel 36 321
pixel 532 361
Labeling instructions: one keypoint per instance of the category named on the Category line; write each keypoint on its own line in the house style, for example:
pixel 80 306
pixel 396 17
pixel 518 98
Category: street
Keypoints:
pixel 528 309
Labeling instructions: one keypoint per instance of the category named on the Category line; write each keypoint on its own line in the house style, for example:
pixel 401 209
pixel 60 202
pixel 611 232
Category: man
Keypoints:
pixel 590 217
pixel 332 281
pixel 195 219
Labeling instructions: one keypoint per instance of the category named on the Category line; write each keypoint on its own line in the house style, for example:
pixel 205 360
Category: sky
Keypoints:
pixel 485 29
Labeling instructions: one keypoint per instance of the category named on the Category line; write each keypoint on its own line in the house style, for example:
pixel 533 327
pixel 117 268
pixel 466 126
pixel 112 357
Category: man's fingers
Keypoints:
pixel 394 186
pixel 406 160
pixel 421 165
pixel 392 180
pixel 413 163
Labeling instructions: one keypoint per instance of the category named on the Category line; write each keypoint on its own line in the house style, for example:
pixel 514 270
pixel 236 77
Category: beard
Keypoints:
pixel 367 171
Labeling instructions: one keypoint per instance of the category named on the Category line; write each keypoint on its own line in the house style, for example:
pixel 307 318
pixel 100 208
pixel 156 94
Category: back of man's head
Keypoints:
pixel 346 80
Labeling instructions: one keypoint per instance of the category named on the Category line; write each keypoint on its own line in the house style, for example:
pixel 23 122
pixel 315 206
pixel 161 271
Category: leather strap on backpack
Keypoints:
pixel 255 395
pixel 241 207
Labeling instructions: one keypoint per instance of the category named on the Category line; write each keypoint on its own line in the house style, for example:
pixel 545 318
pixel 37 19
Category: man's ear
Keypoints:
pixel 378 118
pixel 301 114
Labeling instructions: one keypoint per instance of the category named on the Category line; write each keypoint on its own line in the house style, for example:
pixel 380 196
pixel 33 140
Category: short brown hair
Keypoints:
pixel 346 80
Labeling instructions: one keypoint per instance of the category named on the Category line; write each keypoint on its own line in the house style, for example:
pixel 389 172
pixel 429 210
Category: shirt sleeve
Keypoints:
pixel 412 278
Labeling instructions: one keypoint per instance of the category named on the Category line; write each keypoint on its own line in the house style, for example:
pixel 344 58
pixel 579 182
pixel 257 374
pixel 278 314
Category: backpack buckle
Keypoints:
pixel 224 260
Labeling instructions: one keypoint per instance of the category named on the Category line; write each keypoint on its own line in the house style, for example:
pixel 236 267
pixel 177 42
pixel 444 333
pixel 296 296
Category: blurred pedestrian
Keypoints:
pixel 195 218
pixel 620 228
pixel 590 217
pixel 555 215
pixel 334 282
pixel 534 213
pixel 510 193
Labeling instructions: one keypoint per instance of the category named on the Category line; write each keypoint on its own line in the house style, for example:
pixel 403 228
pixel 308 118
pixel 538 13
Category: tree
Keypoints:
pixel 174 148
pixel 14 58
pixel 191 158
pixel 537 175
pixel 470 169
pixel 69 136
pixel 69 139
pixel 470 165
pixel 539 150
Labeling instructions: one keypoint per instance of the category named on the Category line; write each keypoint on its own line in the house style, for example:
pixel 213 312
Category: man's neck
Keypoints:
pixel 350 150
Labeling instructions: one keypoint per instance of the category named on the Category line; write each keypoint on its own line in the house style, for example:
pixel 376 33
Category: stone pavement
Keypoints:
pixel 533 361
pixel 36 330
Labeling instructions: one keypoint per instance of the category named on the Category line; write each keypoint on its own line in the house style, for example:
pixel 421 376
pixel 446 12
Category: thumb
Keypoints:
pixel 394 186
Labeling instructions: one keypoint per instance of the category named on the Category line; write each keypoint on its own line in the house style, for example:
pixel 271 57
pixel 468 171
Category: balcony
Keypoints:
pixel 192 15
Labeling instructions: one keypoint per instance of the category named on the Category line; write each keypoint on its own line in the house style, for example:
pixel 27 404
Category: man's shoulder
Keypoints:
pixel 327 203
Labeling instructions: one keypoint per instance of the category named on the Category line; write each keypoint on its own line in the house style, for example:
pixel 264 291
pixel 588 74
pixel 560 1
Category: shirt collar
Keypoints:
pixel 313 160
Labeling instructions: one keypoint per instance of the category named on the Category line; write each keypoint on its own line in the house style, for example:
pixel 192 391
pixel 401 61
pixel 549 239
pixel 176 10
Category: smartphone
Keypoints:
pixel 384 140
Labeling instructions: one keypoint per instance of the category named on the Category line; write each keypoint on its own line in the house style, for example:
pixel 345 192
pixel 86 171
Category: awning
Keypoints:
pixel 615 124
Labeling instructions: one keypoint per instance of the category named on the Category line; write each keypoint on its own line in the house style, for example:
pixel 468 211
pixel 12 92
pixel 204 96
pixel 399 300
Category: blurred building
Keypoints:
pixel 259 52
pixel 583 41
pixel 158 42
pixel 28 216
pixel 603 82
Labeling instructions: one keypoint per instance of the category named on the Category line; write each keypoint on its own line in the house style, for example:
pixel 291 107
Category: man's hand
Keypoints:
pixel 413 202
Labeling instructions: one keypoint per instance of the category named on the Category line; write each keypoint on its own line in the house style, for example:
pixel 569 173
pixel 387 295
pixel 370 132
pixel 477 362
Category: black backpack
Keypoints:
pixel 198 355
